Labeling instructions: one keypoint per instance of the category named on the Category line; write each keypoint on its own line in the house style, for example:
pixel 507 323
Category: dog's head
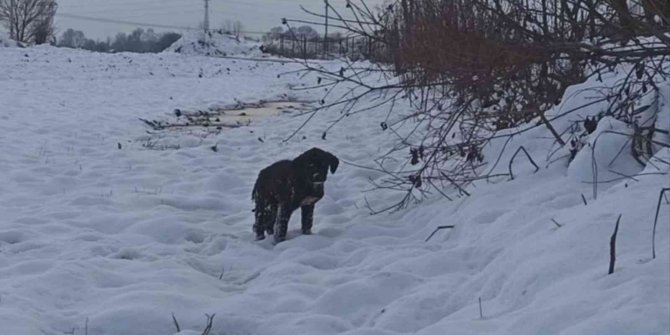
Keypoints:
pixel 314 164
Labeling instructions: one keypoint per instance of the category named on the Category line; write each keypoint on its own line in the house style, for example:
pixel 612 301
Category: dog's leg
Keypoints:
pixel 272 218
pixel 265 219
pixel 281 224
pixel 260 221
pixel 307 219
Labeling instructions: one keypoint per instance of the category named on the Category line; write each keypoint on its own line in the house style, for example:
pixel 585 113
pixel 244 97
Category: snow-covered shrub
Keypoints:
pixel 479 74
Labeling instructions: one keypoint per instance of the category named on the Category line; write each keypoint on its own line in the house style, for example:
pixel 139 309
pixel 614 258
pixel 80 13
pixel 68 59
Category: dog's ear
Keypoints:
pixel 333 162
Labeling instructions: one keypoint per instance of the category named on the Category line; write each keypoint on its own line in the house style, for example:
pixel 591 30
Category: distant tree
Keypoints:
pixel 72 39
pixel 28 21
pixel 274 34
pixel 139 40
pixel 102 46
pixel 134 41
pixel 233 27
pixel 149 37
pixel 76 39
pixel 43 31
pixel 120 41
pixel 306 32
pixel 89 44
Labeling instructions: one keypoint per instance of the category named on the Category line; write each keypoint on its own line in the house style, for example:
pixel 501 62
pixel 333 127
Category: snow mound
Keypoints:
pixel 214 44
pixel 599 161
pixel 5 42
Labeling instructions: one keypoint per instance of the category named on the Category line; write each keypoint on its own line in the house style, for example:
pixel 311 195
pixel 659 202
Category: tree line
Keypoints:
pixel 139 40
pixel 32 22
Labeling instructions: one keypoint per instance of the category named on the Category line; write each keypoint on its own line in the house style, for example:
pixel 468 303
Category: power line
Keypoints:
pixel 128 6
pixel 143 10
pixel 124 22
pixel 140 24
pixel 138 15
pixel 125 3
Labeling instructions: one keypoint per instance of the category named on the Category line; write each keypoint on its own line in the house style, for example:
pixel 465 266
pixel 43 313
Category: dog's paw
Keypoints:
pixel 307 232
pixel 278 240
pixel 260 237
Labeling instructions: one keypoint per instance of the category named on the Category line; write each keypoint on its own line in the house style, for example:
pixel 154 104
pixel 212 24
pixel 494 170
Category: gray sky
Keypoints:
pixel 255 15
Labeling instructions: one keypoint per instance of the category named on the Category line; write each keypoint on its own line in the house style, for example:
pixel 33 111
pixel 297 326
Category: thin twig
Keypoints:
pixel 176 324
pixel 438 229
pixel 521 148
pixel 658 209
pixel 210 322
pixel 463 191
pixel 613 246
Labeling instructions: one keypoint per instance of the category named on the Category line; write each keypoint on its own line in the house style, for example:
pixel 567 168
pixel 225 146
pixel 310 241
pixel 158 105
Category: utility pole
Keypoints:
pixel 325 37
pixel 206 22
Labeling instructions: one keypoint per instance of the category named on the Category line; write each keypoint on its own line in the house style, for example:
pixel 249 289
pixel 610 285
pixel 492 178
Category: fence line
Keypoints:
pixel 325 48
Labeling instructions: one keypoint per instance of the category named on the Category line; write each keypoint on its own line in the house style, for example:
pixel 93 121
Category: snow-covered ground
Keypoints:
pixel 101 233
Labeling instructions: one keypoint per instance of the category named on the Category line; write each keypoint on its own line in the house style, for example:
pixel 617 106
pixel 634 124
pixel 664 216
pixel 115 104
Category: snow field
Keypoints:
pixel 125 237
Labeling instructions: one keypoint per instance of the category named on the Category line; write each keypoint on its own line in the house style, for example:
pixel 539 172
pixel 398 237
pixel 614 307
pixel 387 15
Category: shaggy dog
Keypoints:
pixel 286 185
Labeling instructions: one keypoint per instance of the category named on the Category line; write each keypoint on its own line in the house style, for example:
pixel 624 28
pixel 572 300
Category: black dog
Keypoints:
pixel 286 185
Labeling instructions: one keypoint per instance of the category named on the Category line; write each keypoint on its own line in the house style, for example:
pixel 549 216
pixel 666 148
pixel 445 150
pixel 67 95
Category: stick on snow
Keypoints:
pixel 658 209
pixel 613 246
pixel 438 229
pixel 176 324
pixel 558 225
pixel 521 148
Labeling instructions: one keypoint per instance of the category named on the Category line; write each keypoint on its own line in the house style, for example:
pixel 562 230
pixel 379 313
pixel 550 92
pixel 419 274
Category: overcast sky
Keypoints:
pixel 255 15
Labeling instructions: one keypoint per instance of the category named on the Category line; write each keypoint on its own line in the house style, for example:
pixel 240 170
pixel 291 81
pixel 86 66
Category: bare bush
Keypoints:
pixel 28 21
pixel 471 68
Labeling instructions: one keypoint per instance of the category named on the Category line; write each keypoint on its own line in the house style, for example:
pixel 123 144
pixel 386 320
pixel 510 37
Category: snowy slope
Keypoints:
pixel 5 41
pixel 214 44
pixel 98 230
